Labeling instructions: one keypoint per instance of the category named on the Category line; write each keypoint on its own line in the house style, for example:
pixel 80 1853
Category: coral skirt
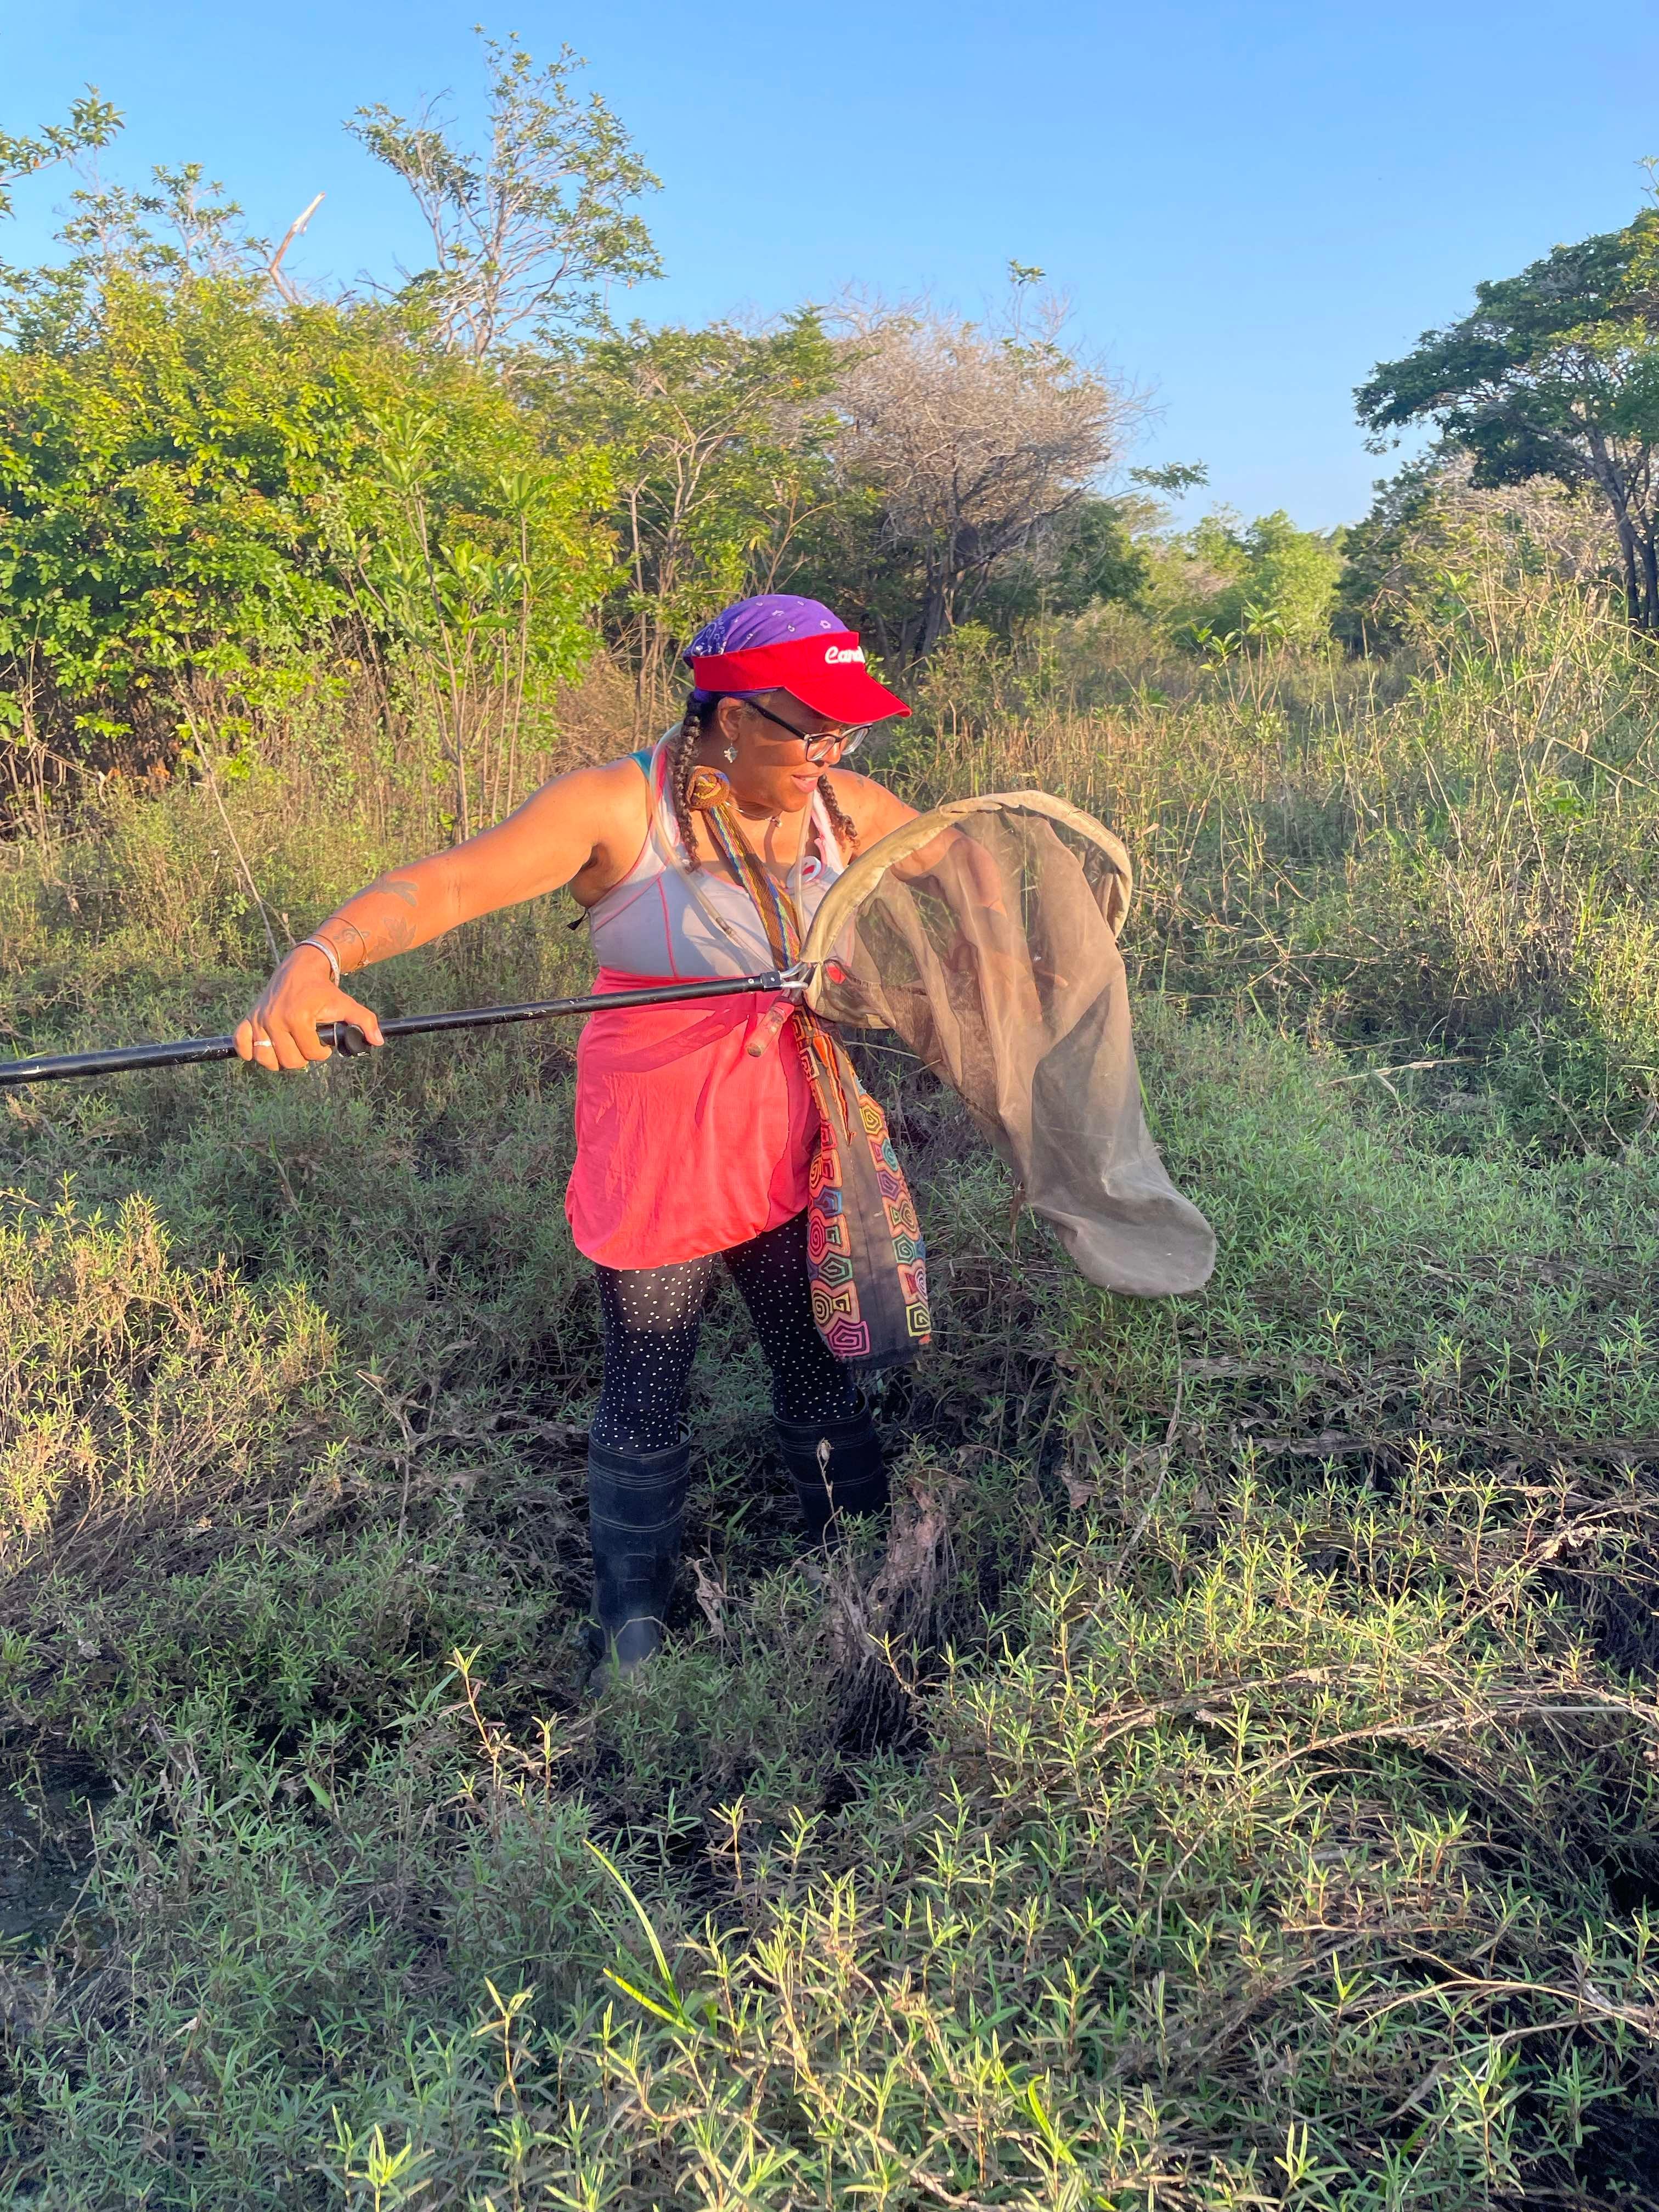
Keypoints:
pixel 685 1144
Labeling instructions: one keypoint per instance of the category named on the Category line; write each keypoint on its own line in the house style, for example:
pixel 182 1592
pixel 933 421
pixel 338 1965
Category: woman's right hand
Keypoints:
pixel 282 1030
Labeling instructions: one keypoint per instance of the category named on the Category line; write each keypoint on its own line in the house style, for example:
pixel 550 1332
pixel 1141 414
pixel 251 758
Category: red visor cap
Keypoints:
pixel 825 673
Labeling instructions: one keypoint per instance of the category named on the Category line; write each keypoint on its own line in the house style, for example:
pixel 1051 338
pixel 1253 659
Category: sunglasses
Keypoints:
pixel 820 749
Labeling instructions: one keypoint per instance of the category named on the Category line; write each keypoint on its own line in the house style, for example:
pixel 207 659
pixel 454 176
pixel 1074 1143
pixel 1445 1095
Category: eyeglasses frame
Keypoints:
pixel 819 749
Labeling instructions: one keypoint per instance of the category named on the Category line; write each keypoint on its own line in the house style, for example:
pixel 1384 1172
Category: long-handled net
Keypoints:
pixel 985 935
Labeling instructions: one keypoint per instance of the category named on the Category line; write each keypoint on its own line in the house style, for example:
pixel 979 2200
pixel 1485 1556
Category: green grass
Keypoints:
pixel 1238 1784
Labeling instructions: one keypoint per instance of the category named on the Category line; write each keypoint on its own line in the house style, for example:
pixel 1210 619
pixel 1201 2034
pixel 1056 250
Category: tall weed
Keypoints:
pixel 1457 861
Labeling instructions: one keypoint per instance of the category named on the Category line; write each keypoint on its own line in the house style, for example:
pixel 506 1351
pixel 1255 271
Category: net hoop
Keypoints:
pixel 850 890
pixel 994 958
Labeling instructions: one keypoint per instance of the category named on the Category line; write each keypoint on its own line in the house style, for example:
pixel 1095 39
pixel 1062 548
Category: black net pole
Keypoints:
pixel 346 1037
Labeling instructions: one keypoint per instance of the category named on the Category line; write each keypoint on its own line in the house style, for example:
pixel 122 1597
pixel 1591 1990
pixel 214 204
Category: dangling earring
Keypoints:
pixel 731 751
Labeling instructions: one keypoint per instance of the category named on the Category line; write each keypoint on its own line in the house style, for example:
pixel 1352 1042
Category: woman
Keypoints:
pixel 705 1128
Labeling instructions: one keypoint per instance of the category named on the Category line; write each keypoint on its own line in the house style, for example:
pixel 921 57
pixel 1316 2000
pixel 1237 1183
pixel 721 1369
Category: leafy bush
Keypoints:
pixel 1267 585
pixel 201 485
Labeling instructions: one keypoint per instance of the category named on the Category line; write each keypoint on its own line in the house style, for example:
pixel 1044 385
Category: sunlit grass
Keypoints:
pixel 1238 1786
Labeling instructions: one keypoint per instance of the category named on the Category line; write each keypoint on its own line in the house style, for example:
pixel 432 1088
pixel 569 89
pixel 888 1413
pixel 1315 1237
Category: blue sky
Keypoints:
pixel 1249 205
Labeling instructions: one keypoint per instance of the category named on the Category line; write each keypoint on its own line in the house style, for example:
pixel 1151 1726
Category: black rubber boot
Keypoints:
pixel 636 1504
pixel 836 1467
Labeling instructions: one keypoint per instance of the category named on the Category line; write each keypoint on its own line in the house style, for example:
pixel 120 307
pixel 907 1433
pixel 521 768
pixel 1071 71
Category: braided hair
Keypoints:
pixel 687 739
pixel 700 713
pixel 842 822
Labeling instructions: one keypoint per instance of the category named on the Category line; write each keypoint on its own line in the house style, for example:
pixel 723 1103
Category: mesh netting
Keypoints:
pixel 984 934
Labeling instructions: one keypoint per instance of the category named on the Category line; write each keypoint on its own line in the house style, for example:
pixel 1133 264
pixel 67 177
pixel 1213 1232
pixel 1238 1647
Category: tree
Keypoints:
pixel 181 227
pixel 473 563
pixel 1098 551
pixel 533 230
pixel 1173 477
pixel 966 446
pixel 1285 574
pixel 1556 372
pixel 719 444
pixel 112 226
pixel 92 123
pixel 203 485
pixel 1087 557
pixel 1226 585
pixel 178 230
pixel 1379 576
pixel 1094 555
pixel 1406 566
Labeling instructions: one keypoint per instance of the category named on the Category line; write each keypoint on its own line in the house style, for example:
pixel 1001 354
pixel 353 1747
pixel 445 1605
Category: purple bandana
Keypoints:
pixel 772 619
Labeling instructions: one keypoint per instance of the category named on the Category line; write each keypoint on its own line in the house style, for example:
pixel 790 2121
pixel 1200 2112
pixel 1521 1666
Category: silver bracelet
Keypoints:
pixel 329 954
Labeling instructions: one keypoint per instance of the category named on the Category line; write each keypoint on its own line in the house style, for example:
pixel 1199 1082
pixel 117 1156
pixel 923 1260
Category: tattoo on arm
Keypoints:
pixel 397 933
pixel 373 928
pixel 353 955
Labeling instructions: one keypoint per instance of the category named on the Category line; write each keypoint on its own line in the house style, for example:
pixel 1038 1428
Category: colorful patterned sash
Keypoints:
pixel 864 1249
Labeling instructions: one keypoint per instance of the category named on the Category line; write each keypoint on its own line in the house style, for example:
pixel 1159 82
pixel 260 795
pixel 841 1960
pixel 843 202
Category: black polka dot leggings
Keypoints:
pixel 652 1317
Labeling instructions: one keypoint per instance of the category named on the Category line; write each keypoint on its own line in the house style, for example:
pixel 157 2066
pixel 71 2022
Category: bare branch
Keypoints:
pixel 274 269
